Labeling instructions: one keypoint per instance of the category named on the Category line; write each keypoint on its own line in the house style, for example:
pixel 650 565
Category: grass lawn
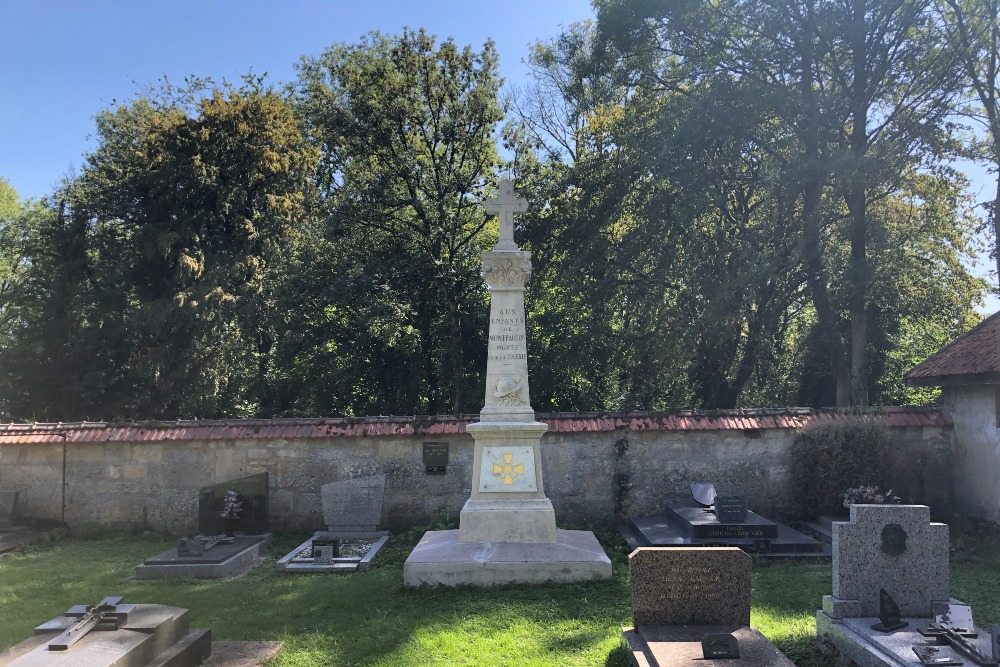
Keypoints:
pixel 371 619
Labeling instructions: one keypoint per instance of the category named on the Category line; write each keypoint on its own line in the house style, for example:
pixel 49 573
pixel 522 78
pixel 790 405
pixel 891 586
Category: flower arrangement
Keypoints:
pixel 868 495
pixel 232 505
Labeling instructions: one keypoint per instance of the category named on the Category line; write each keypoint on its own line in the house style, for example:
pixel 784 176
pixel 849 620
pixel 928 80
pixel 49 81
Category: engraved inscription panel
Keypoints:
pixel 507 469
pixel 690 586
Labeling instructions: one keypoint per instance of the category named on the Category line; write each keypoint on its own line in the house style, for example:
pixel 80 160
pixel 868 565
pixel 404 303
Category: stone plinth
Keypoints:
pixel 440 558
pixel 508 502
pixel 690 586
pixel 895 547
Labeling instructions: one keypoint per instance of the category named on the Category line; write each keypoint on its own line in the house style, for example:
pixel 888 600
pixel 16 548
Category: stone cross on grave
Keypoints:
pixel 505 206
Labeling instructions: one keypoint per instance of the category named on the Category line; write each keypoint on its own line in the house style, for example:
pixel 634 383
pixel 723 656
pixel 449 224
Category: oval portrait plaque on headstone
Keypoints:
pixel 893 539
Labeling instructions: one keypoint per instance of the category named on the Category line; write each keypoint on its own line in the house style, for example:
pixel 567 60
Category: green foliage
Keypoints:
pixel 831 456
pixel 405 127
pixel 149 290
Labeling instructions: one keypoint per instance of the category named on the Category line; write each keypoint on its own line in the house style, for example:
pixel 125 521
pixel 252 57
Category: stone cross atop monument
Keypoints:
pixel 505 206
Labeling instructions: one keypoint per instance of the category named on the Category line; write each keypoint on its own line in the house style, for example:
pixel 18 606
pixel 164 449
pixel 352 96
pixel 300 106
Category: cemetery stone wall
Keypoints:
pixel 598 468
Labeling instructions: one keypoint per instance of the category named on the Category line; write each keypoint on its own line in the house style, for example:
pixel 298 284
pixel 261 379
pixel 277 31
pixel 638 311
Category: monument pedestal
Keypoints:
pixel 518 520
pixel 508 530
pixel 442 559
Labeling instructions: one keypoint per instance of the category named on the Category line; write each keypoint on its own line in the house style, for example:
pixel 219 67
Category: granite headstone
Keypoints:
pixel 895 547
pixel 353 505
pixel 690 586
pixel 253 494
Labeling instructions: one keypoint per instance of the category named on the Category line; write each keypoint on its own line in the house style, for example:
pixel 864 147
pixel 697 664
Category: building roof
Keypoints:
pixel 972 358
pixel 560 422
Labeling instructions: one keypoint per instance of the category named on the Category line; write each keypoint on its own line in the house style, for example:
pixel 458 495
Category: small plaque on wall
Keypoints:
pixel 435 457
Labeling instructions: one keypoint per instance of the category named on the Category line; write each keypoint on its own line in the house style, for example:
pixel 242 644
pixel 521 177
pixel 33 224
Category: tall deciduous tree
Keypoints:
pixel 406 128
pixel 972 32
pixel 167 237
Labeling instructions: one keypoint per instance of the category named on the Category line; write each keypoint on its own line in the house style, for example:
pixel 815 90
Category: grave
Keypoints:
pixel 691 606
pixel 507 531
pixel 10 535
pixel 710 519
pixel 111 634
pixel 226 546
pixel 352 511
pixel 891 603
pixel 253 518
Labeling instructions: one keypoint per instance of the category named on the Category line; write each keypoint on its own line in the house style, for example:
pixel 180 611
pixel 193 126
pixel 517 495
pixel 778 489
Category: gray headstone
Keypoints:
pixel 353 504
pixel 8 507
pixel 690 586
pixel 894 547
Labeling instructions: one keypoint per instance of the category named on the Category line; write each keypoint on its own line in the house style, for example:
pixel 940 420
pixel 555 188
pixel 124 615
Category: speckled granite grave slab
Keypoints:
pixel 895 547
pixel 690 586
pixel 854 639
pixel 676 645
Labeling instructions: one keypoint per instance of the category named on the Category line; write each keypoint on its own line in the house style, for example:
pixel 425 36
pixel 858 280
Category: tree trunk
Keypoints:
pixel 457 352
pixel 996 229
pixel 812 193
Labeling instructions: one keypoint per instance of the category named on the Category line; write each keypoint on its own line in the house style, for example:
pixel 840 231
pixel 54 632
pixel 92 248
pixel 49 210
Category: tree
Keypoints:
pixel 972 29
pixel 406 132
pixel 863 87
pixel 157 259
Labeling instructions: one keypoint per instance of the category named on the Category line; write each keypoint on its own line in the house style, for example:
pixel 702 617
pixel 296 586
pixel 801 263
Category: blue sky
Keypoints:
pixel 62 61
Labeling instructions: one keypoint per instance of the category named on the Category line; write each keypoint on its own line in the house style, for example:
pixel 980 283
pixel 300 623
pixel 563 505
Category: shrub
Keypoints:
pixel 828 457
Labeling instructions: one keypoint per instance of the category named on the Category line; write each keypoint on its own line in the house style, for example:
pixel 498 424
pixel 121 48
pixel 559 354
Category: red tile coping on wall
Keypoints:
pixel 559 422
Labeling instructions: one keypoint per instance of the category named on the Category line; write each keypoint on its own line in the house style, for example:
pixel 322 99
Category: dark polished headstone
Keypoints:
pixel 888 614
pixel 995 640
pixel 253 518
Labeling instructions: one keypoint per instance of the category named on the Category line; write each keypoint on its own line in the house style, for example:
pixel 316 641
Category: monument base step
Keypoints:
pixel 854 640
pixel 676 645
pixel 517 520
pixel 440 559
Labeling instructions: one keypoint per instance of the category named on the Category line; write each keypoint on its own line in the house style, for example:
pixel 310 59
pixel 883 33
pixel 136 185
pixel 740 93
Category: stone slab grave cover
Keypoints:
pixel 711 519
pixel 507 528
pixel 223 561
pixel 253 518
pixel 681 596
pixel 111 634
pixel 353 505
pixel 895 548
